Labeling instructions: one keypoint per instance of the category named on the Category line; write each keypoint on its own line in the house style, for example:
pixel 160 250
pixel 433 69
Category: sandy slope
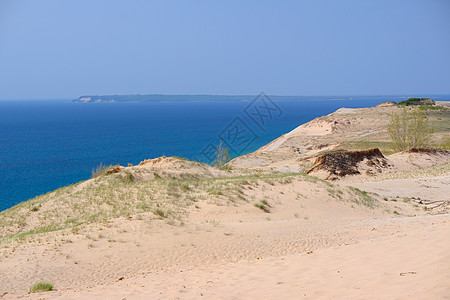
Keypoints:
pixel 303 216
pixel 409 262
pixel 173 229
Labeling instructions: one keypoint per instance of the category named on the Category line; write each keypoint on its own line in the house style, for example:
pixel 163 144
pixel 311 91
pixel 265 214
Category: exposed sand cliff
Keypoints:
pixel 363 223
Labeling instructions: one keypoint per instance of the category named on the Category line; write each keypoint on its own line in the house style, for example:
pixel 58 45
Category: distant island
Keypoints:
pixel 165 98
pixel 171 98
pixel 155 98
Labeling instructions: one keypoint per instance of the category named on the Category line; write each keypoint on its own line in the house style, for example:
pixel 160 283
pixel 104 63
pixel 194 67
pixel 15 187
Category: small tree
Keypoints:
pixel 409 129
pixel 222 156
pixel 99 170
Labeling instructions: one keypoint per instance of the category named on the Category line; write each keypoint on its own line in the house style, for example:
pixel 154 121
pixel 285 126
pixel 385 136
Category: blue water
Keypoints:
pixel 45 145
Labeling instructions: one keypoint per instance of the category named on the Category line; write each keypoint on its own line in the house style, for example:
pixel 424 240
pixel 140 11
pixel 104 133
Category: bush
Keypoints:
pixel 41 287
pixel 410 129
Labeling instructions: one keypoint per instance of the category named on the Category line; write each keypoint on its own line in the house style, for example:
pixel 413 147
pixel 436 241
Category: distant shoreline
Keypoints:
pixel 206 98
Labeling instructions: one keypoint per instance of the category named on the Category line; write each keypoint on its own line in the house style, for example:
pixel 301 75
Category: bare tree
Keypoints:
pixel 222 156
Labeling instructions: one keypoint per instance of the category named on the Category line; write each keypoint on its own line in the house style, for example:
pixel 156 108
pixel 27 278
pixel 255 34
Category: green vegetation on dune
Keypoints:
pixel 362 198
pixel 429 107
pixel 440 121
pixel 263 205
pixel 116 195
pixel 417 101
pixel 41 287
pixel 420 126
pixel 445 144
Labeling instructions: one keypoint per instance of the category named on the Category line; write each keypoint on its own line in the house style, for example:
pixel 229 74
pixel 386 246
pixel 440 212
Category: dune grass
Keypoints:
pixel 124 195
pixel 104 198
pixel 362 198
pixel 41 287
pixel 263 205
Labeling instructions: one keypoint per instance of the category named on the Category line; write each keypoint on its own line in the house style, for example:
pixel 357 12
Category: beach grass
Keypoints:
pixel 362 198
pixel 41 287
pixel 121 195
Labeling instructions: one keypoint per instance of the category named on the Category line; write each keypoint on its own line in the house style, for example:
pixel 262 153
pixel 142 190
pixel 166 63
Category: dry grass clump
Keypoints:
pixel 102 169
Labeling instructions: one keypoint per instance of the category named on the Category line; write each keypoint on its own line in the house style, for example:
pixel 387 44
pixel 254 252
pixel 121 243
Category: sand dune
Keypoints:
pixel 408 264
pixel 261 228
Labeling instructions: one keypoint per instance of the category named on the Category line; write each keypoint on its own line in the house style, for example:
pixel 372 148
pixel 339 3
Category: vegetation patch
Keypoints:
pixel 430 107
pixel 335 193
pixel 180 158
pixel 102 169
pixel 119 195
pixel 362 198
pixel 161 213
pixel 38 231
pixel 41 287
pixel 445 144
pixel 263 205
pixel 417 101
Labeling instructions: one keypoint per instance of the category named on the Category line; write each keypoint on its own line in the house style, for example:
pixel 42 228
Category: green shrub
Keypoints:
pixel 41 287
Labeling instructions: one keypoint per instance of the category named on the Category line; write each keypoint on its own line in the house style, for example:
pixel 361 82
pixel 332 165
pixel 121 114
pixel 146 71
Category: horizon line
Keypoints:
pixel 236 95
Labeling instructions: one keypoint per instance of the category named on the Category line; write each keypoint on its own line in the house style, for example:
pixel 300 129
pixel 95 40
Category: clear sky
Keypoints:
pixel 64 49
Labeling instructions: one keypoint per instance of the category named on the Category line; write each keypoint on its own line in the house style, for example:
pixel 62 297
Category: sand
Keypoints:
pixel 173 229
pixel 408 261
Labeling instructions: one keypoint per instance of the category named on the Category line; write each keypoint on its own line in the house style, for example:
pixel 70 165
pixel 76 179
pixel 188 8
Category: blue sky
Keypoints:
pixel 64 49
